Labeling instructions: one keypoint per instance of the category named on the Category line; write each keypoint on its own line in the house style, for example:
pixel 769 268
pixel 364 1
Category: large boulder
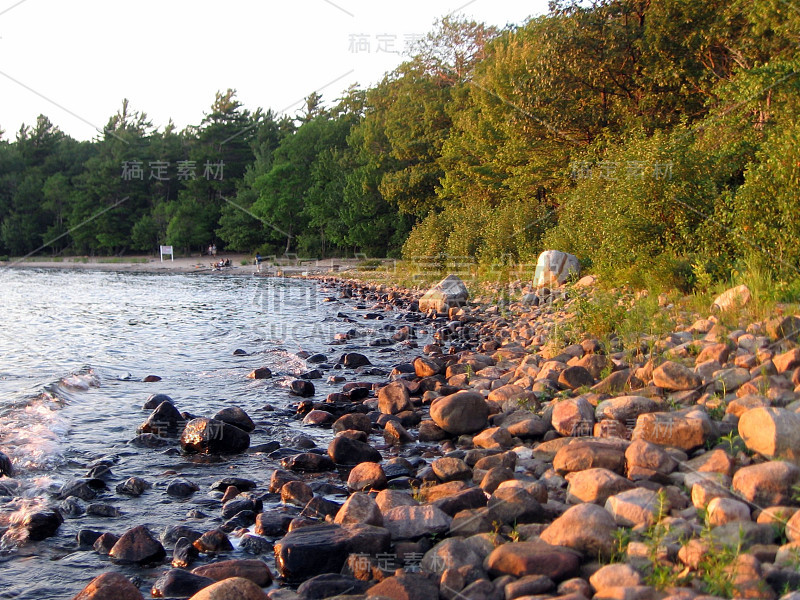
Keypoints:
pixel 346 451
pixel 137 545
pixel 687 429
pixel 767 484
pixel 587 528
pixel 318 549
pixel 554 267
pixel 521 559
pixel 449 292
pixel 235 588
pixel 676 377
pixel 772 432
pixel 411 522
pixel 210 436
pixel 459 413
pixel 735 297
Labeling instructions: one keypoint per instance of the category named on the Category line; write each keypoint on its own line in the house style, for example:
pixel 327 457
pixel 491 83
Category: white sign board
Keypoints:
pixel 167 250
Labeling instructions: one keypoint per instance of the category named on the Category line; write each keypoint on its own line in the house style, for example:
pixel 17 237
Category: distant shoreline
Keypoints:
pixel 194 264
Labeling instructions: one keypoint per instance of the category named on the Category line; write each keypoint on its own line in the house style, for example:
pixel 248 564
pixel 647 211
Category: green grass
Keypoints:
pixel 119 260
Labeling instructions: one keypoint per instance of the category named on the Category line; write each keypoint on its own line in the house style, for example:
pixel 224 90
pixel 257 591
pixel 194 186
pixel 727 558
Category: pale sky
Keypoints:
pixel 75 60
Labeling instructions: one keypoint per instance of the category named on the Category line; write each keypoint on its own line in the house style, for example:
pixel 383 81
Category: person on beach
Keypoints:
pixel 213 249
pixel 257 262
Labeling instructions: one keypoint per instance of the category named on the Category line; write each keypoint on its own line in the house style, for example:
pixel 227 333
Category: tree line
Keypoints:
pixel 643 136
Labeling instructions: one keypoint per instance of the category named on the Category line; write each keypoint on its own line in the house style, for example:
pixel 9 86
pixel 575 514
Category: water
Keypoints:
pixel 75 347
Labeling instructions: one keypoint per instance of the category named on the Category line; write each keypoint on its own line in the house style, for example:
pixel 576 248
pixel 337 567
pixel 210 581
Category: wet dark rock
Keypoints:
pixel 233 415
pixel 464 500
pixel 210 436
pixel 182 488
pixel 346 451
pixel 319 418
pixel 237 505
pixel 240 352
pixel 240 483
pixel 313 374
pixel 212 542
pixel 308 462
pixel 352 360
pixel 149 440
pixel 255 544
pixel 260 373
pixel 173 533
pixel 273 524
pixel 184 553
pixel 104 543
pixel 41 525
pixel 102 509
pixel 85 489
pixel 319 508
pixel 155 400
pixel 302 388
pixel 151 379
pixel 133 486
pixel 331 584
pixel 265 448
pixel 357 421
pixel 109 586
pixel 177 583
pixel 317 358
pixel 87 537
pixel 164 421
pixel 71 508
pixel 137 545
pixel 321 549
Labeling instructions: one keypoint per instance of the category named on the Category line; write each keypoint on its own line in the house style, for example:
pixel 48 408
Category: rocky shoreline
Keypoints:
pixel 496 465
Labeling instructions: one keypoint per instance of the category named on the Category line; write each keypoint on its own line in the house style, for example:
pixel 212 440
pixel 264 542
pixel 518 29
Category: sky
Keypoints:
pixel 74 61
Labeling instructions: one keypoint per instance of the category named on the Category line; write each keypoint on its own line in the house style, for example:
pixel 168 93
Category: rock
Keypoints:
pixel 359 508
pixel 408 586
pixel 104 543
pixel 521 559
pixel 6 468
pixel 784 328
pixel 177 583
pixel 580 455
pixel 138 545
pixel 165 420
pixel 213 542
pixel 514 505
pixel 102 509
pixel 309 462
pixel 615 576
pixel 181 488
pixel 772 432
pixel 648 461
pixel 394 398
pixel 184 553
pixel 411 522
pixel 575 377
pixel 395 433
pixel 726 510
pixel 624 408
pixel 451 469
pixel 272 524
pixel 254 544
pixel 675 377
pixel 450 553
pixel 388 499
pixel 494 438
pixel 687 429
pixel 109 586
pixel 233 415
pixel 426 367
pixel 529 585
pixel 573 416
pixel 260 373
pixel 366 476
pixel 767 484
pixel 735 297
pixel 319 418
pixel 554 267
pixel 133 486
pixel 345 451
pixel 253 569
pixel 298 493
pixel 235 588
pixel 587 528
pixel 353 360
pixel 449 292
pixel 357 421
pixel 595 485
pixel 331 585
pixel 41 525
pixel 210 436
pixel 154 400
pixel 318 549
pixel 639 507
pixel 460 413
pixel 302 388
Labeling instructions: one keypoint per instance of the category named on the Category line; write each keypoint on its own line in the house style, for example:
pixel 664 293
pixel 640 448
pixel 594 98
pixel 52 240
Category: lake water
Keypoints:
pixel 75 347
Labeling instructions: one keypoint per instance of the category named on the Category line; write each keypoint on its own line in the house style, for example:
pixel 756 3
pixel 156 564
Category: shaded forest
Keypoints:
pixel 655 136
